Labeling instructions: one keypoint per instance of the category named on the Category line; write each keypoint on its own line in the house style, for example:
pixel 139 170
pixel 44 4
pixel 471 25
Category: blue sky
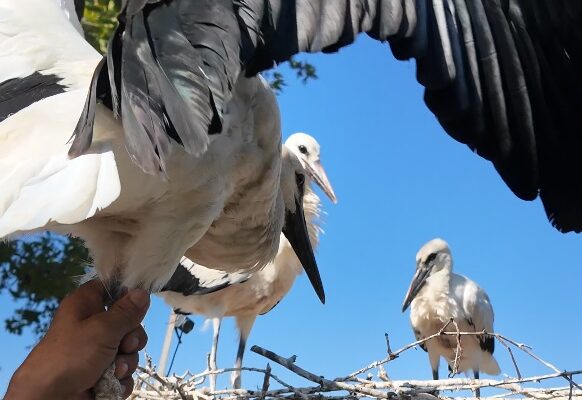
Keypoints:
pixel 400 181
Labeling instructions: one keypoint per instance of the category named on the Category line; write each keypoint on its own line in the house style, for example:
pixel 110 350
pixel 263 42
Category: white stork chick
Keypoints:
pixel 436 295
pixel 144 189
pixel 223 204
pixel 188 290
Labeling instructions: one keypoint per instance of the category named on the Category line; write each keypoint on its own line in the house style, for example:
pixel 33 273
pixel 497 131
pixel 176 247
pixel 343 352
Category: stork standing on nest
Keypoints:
pixel 192 288
pixel 437 295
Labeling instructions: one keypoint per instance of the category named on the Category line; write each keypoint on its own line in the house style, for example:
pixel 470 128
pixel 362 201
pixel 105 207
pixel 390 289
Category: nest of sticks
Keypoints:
pixel 370 381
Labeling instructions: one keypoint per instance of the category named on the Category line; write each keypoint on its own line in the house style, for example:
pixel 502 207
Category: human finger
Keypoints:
pixel 134 341
pixel 127 383
pixel 125 365
pixel 86 300
pixel 125 315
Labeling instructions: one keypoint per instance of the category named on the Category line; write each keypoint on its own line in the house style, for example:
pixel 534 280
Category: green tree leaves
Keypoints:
pixel 38 272
pixel 99 21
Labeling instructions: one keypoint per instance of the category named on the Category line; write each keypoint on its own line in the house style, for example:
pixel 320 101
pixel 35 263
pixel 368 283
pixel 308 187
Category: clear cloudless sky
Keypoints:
pixel 401 181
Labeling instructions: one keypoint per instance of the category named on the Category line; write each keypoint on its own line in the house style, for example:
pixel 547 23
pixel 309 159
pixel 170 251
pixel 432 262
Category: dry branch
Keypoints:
pixel 189 386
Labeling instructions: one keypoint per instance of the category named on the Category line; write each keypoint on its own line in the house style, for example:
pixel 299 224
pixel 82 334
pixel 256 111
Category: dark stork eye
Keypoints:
pixel 431 257
pixel 302 149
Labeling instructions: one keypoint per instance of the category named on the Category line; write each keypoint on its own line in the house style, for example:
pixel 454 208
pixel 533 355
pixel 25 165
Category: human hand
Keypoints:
pixel 81 343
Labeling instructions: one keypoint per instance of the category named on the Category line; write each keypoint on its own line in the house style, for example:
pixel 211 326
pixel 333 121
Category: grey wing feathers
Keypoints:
pixel 501 76
pixel 171 67
pixel 84 129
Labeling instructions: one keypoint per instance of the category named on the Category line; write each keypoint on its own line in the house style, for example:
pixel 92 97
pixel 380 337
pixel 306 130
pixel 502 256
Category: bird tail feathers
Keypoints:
pixel 489 365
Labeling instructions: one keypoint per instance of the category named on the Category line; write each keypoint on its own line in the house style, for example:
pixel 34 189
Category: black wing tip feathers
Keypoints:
pixel 19 93
pixel 487 343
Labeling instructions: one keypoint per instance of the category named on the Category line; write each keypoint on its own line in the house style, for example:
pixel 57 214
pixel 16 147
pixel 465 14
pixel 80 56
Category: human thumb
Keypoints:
pixel 126 313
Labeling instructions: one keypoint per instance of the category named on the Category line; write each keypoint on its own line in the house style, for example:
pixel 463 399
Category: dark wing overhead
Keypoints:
pixel 502 76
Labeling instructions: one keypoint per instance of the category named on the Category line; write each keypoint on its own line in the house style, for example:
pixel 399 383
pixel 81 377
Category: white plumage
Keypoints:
pixel 40 184
pixel 265 288
pixel 137 225
pixel 436 295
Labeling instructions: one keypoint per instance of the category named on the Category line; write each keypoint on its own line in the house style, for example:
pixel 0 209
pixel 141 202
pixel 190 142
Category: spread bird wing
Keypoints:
pixel 194 279
pixel 501 76
pixel 172 66
pixel 45 73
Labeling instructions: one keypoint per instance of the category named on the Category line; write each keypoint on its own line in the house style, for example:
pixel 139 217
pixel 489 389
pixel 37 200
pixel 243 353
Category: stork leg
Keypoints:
pixel 235 378
pixel 212 361
pixel 245 324
pixel 435 376
pixel 434 359
pixel 476 376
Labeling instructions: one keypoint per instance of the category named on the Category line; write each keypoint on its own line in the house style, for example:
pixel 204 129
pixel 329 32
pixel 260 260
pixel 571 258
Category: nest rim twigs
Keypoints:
pixel 188 385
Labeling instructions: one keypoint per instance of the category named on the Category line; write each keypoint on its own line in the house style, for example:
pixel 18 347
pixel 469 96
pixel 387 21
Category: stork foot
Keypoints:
pixel 108 387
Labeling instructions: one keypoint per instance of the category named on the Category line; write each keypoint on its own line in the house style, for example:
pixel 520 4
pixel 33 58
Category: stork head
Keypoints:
pixel 433 257
pixel 293 177
pixel 307 149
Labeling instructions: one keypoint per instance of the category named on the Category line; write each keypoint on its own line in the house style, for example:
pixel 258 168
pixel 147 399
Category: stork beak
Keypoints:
pixel 317 173
pixel 418 280
pixel 295 230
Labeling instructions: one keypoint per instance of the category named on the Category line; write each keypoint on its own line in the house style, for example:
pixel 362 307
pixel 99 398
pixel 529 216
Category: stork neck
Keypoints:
pixel 311 204
pixel 438 282
pixel 312 211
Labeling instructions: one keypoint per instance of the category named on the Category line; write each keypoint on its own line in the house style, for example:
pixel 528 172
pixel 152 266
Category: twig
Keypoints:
pixel 512 357
pixel 325 383
pixel 181 393
pixel 458 350
pixel 151 386
pixel 466 384
pixel 266 381
pixel 388 349
pixel 154 375
pixel 526 349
